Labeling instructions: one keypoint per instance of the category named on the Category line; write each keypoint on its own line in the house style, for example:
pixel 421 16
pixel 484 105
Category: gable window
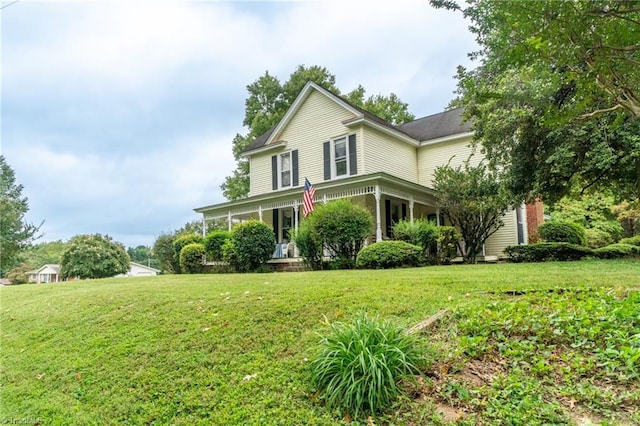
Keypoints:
pixel 340 157
pixel 284 170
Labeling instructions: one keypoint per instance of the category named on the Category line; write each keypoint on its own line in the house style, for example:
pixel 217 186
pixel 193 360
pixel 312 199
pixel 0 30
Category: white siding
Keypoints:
pixel 383 153
pixel 317 120
pixel 432 156
pixel 505 236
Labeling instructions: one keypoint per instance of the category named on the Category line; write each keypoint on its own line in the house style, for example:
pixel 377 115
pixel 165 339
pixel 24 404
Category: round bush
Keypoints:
pixel 309 247
pixel 359 365
pixel 181 241
pixel 389 254
pixel 558 231
pixel 213 243
pixel 419 233
pixel 251 245
pixel 191 258
pixel 597 238
pixel 342 227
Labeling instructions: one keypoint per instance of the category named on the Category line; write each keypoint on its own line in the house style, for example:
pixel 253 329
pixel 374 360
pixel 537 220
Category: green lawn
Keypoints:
pixel 234 349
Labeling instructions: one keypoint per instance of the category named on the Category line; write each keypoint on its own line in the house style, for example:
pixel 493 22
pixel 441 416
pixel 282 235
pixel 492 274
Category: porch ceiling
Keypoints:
pixel 325 191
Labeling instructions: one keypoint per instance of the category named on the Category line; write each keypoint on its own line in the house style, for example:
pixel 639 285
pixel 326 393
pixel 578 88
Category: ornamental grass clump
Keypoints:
pixel 360 365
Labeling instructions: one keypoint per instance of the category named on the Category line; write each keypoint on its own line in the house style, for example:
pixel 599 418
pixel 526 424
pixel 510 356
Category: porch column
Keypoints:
pixel 411 209
pixel 295 226
pixel 229 220
pixel 438 217
pixel 204 227
pixel 378 221
pixel 260 213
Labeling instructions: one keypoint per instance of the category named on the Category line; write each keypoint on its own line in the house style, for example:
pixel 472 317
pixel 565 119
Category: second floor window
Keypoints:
pixel 340 157
pixel 285 169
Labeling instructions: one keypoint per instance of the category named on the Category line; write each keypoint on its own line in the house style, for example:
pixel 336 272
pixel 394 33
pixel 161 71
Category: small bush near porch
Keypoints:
pixel 250 246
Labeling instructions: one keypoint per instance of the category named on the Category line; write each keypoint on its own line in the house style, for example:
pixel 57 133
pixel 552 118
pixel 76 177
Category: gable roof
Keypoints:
pixel 435 126
pixel 51 268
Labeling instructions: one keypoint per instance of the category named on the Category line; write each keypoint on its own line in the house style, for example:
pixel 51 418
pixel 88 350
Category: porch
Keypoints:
pixel 388 198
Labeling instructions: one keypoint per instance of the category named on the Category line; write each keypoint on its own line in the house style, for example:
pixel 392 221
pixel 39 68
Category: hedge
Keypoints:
pixel 617 251
pixel 542 252
pixel 389 254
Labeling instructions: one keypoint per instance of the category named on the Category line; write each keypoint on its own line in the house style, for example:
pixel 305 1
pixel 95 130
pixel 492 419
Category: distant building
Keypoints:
pixel 49 273
pixel 138 270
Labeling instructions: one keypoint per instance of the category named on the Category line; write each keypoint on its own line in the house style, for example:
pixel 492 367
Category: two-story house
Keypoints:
pixel 347 152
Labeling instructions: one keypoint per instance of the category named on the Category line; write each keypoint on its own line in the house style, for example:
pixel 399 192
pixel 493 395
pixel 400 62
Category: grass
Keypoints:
pixel 234 349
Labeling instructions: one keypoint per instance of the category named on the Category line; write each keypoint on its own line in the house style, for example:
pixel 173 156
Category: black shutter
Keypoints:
pixel 294 167
pixel 353 158
pixel 276 221
pixel 404 211
pixel 326 148
pixel 387 214
pixel 274 172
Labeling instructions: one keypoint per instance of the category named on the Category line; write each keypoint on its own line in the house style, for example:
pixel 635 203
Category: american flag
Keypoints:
pixel 307 198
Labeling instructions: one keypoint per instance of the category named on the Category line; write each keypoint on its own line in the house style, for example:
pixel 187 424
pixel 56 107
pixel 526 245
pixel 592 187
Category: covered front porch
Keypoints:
pixel 389 199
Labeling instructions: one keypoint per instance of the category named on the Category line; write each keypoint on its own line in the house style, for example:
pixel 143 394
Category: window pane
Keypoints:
pixel 286 161
pixel 341 149
pixel 286 178
pixel 341 167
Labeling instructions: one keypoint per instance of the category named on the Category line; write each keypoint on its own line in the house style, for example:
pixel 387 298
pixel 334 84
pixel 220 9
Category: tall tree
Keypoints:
pixel 269 100
pixel 555 96
pixel 15 233
pixel 474 199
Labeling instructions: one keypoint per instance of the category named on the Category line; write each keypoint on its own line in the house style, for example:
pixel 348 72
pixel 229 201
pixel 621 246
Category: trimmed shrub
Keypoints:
pixel 617 251
pixel 448 239
pixel 309 247
pixel 389 254
pixel 213 243
pixel 342 228
pixel 558 231
pixel 182 241
pixel 597 238
pixel 192 258
pixel 359 365
pixel 420 233
pixel 250 247
pixel 542 252
pixel 634 241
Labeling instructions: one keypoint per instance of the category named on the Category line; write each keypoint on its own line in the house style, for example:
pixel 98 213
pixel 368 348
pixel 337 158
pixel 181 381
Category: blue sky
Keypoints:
pixel 118 116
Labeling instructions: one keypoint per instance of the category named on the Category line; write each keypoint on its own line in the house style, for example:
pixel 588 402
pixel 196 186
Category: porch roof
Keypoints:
pixel 325 191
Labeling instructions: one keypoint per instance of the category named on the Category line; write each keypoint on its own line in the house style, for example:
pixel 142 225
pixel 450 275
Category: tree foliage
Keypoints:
pixel 43 253
pixel 164 252
pixel 268 100
pixel 93 256
pixel 555 98
pixel 16 233
pixel 474 199
pixel 251 245
pixel 191 258
pixel 341 227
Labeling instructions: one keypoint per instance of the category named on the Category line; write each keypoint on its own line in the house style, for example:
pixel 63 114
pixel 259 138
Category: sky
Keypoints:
pixel 117 116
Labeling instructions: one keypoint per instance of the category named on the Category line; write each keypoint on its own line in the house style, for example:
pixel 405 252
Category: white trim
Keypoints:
pixel 302 96
pixel 384 129
pixel 332 156
pixel 280 170
pixel 446 138
pixel 265 148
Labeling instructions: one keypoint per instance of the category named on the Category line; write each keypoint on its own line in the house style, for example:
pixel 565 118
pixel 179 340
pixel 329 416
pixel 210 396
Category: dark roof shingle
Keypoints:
pixel 437 125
